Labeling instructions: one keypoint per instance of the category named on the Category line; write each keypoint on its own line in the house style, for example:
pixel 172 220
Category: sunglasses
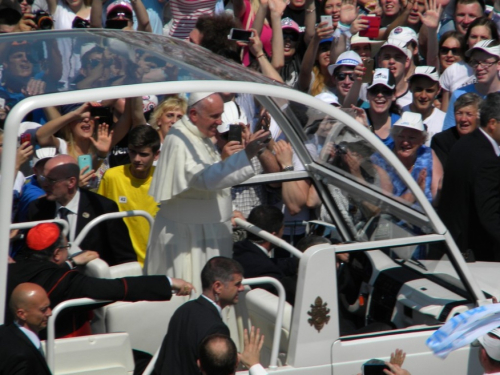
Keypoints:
pixel 343 76
pixel 29 2
pixel 380 90
pixel 445 50
pixel 294 37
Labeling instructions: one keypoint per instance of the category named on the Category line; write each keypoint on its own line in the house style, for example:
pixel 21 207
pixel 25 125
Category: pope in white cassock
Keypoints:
pixel 192 184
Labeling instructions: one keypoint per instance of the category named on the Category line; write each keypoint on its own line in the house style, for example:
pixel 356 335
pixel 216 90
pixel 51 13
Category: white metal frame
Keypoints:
pixel 31 224
pixel 51 326
pixel 110 216
pixel 158 88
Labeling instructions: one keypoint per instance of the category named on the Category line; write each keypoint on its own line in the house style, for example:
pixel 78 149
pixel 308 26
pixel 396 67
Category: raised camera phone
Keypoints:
pixel 234 133
pixel 327 19
pixel 373 28
pixel 369 64
pixel 25 137
pixel 240 35
pixel 2 103
pixel 104 114
pixel 85 161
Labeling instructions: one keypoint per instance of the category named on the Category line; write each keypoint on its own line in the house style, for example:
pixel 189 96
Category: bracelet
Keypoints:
pixel 100 158
pixel 262 54
pixel 288 168
pixel 310 10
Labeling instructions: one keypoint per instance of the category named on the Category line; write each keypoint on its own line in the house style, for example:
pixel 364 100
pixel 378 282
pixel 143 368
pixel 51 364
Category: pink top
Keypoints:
pixel 185 13
pixel 266 35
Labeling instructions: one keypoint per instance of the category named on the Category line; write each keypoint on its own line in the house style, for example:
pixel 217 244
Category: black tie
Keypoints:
pixel 63 213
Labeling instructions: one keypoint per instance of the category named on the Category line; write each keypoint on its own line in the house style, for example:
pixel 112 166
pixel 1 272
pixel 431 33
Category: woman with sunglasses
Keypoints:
pixel 383 111
pixel 460 74
pixel 291 35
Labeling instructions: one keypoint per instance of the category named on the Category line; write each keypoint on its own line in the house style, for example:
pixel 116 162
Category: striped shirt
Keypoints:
pixel 185 13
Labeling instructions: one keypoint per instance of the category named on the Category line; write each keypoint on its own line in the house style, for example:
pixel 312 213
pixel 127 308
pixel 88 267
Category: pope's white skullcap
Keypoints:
pixel 195 97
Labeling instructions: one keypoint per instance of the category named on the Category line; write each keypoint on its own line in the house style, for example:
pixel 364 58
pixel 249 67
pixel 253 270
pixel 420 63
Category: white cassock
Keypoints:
pixel 194 220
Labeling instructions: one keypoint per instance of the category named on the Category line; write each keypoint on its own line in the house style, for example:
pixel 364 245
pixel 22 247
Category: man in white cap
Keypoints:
pixel 192 184
pixel 424 86
pixel 489 352
pixel 410 39
pixel 395 56
pixel 485 61
pixel 342 73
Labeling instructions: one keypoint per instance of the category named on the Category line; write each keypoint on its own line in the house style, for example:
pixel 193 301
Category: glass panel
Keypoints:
pixel 333 144
pixel 80 59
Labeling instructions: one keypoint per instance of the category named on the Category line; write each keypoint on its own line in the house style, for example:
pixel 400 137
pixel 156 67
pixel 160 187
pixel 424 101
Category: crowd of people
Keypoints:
pixel 421 75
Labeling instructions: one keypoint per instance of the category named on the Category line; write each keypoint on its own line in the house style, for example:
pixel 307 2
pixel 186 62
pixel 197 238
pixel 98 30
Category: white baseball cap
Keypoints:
pixel 491 344
pixel 348 58
pixel 411 120
pixel 195 97
pixel 383 76
pixel 329 98
pixel 484 45
pixel 426 71
pixel 405 34
pixel 398 44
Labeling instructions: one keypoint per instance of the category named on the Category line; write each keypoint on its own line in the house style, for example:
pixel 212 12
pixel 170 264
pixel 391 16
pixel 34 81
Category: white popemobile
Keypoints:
pixel 406 270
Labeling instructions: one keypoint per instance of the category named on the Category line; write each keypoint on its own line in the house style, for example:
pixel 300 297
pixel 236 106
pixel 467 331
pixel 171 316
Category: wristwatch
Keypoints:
pixel 288 168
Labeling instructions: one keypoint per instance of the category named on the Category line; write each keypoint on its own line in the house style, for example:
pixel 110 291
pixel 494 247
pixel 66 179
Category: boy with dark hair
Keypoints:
pixel 128 184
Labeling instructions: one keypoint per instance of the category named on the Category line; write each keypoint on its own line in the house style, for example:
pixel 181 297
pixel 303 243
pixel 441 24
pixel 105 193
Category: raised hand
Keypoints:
pixel 252 346
pixel 231 148
pixel 432 14
pixel 104 138
pixel 398 357
pixel 277 6
pixel 359 24
pixel 348 12
pixel 323 31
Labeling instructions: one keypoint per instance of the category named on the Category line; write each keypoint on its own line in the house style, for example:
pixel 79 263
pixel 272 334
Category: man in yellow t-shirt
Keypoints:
pixel 128 184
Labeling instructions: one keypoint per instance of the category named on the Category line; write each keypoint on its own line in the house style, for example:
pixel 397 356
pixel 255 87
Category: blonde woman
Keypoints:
pixel 80 137
pixel 168 113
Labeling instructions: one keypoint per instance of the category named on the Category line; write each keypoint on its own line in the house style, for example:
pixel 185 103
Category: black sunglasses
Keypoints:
pixel 293 36
pixel 454 51
pixel 342 76
pixel 30 2
pixel 380 90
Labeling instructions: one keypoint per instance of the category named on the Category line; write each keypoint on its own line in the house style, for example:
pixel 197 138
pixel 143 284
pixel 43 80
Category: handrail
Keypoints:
pixel 268 237
pixel 273 363
pixel 112 215
pixel 31 224
pixel 51 331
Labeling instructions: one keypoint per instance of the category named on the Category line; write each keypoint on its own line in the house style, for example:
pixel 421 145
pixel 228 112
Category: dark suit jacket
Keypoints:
pixel 470 201
pixel 18 355
pixel 443 142
pixel 190 324
pixel 110 238
pixel 63 284
pixel 256 264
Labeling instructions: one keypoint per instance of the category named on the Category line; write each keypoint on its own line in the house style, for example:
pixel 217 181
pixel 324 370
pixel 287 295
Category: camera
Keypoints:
pixel 341 148
pixel 43 20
